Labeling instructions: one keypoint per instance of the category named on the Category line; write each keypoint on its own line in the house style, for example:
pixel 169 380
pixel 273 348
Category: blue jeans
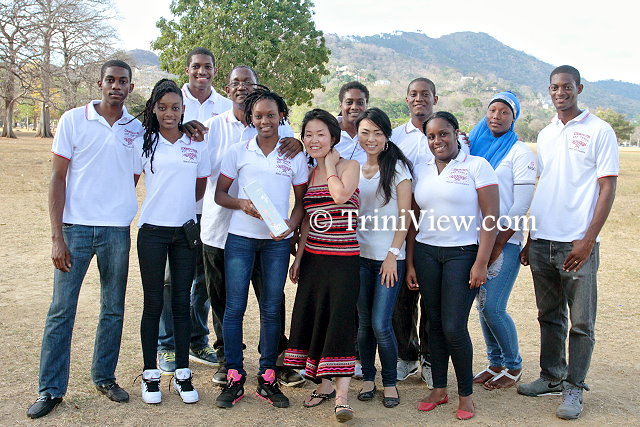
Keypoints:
pixel 376 304
pixel 443 275
pixel 239 256
pixel 498 328
pixel 111 246
pixel 562 296
pixel 199 310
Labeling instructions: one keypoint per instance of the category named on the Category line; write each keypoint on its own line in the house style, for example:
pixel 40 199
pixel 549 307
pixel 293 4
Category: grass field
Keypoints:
pixel 25 292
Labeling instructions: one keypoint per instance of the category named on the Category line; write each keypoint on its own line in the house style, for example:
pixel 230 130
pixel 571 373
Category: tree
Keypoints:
pixel 620 125
pixel 277 38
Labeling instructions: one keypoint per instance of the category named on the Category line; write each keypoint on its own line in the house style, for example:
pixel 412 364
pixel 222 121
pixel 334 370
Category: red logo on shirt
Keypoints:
pixel 579 142
pixel 532 166
pixel 458 176
pixel 129 137
pixel 189 155
pixel 283 167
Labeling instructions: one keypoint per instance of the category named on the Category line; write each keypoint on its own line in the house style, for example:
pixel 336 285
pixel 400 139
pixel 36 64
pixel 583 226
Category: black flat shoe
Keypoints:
pixel 391 402
pixel 114 392
pixel 366 396
pixel 43 405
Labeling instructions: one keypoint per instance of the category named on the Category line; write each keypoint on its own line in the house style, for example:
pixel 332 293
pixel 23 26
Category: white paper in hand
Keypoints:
pixel 266 208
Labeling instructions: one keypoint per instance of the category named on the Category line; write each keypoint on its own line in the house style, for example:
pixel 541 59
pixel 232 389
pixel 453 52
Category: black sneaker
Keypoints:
pixel 220 377
pixel 114 392
pixel 233 391
pixel 289 377
pixel 269 391
pixel 43 405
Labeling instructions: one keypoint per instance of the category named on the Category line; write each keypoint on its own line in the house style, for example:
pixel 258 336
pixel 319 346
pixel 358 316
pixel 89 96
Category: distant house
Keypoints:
pixel 382 83
pixel 463 78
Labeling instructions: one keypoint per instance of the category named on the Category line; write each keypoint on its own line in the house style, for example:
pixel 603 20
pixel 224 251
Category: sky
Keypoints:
pixel 599 38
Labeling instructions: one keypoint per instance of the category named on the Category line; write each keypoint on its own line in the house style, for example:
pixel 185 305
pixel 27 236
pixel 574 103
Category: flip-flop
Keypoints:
pixel 322 396
pixel 504 373
pixel 489 371
pixel 344 413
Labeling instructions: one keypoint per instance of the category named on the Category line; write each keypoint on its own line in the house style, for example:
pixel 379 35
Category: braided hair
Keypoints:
pixel 150 121
pixel 259 94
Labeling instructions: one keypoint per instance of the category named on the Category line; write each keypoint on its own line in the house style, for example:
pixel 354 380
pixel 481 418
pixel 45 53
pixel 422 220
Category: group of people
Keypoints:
pixel 381 219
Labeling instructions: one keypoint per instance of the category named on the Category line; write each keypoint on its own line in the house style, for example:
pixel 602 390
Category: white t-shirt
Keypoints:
pixel 518 167
pixel 450 212
pixel 412 142
pixel 571 159
pixel 100 189
pixel 194 110
pixel 170 198
pixel 225 130
pixel 246 163
pixel 375 238
pixel 350 149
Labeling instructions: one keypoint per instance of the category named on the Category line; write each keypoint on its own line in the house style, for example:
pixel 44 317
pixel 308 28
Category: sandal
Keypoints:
pixel 366 396
pixel 344 413
pixel 478 378
pixel 504 373
pixel 322 396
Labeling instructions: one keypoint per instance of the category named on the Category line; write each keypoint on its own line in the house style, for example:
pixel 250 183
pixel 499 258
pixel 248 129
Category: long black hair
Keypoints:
pixel 263 92
pixel 390 156
pixel 150 121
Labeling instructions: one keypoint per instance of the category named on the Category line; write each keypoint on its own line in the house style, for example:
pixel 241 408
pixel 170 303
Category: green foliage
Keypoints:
pixel 472 103
pixel 277 38
pixel 622 127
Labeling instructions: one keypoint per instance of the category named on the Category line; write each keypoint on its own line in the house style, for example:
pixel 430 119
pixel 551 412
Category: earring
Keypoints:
pixel 386 146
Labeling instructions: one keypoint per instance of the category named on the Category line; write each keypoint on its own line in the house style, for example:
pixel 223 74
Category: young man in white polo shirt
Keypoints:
pixel 354 97
pixel 92 200
pixel 226 130
pixel 578 165
pixel 201 102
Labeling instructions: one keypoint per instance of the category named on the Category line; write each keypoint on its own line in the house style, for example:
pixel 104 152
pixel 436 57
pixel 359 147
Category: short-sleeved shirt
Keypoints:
pixel 171 187
pixel 375 238
pixel 225 130
pixel 246 163
pixel 350 149
pixel 518 167
pixel 450 211
pixel 571 159
pixel 211 107
pixel 412 142
pixel 100 189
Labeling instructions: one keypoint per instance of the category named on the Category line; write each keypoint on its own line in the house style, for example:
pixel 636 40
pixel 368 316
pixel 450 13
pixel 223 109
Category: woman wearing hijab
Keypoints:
pixel 494 139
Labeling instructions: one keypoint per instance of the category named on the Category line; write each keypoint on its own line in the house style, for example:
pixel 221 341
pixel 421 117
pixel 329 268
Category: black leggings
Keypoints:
pixel 155 245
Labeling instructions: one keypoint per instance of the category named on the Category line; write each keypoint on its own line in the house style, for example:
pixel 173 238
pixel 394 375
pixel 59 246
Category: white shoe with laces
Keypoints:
pixel 182 385
pixel 150 386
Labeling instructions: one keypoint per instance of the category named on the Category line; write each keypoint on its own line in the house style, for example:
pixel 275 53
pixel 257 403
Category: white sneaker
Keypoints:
pixel 150 386
pixel 357 374
pixel 182 385
pixel 406 368
pixel 426 375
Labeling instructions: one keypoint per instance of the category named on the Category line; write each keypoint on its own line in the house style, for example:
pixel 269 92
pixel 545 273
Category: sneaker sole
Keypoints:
pixel 225 405
pixel 276 404
pixel 204 362
pixel 167 372
pixel 547 393
pixel 219 382
pixel 413 372
pixel 292 384
pixel 152 402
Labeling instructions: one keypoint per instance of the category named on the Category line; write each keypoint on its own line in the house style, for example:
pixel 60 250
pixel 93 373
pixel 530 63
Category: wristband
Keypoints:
pixel 331 176
pixel 394 251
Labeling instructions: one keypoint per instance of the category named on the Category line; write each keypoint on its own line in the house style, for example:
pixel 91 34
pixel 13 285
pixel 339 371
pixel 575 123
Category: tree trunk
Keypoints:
pixel 7 130
pixel 44 124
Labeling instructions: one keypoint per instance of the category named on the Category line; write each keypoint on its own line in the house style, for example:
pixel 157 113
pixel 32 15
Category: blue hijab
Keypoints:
pixel 484 144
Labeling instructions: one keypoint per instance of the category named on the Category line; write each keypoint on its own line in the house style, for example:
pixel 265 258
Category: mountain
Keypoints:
pixel 480 54
pixel 142 58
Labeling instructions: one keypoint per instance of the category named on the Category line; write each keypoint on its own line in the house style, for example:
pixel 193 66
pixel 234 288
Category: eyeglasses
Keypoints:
pixel 236 84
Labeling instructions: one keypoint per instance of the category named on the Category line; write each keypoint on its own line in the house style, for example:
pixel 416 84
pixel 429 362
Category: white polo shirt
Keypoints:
pixel 375 239
pixel 212 106
pixel 100 189
pixel 170 198
pixel 518 167
pixel 350 149
pixel 450 212
pixel 225 130
pixel 246 163
pixel 412 142
pixel 571 159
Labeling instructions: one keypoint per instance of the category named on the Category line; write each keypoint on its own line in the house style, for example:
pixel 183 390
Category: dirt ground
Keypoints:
pixel 26 283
